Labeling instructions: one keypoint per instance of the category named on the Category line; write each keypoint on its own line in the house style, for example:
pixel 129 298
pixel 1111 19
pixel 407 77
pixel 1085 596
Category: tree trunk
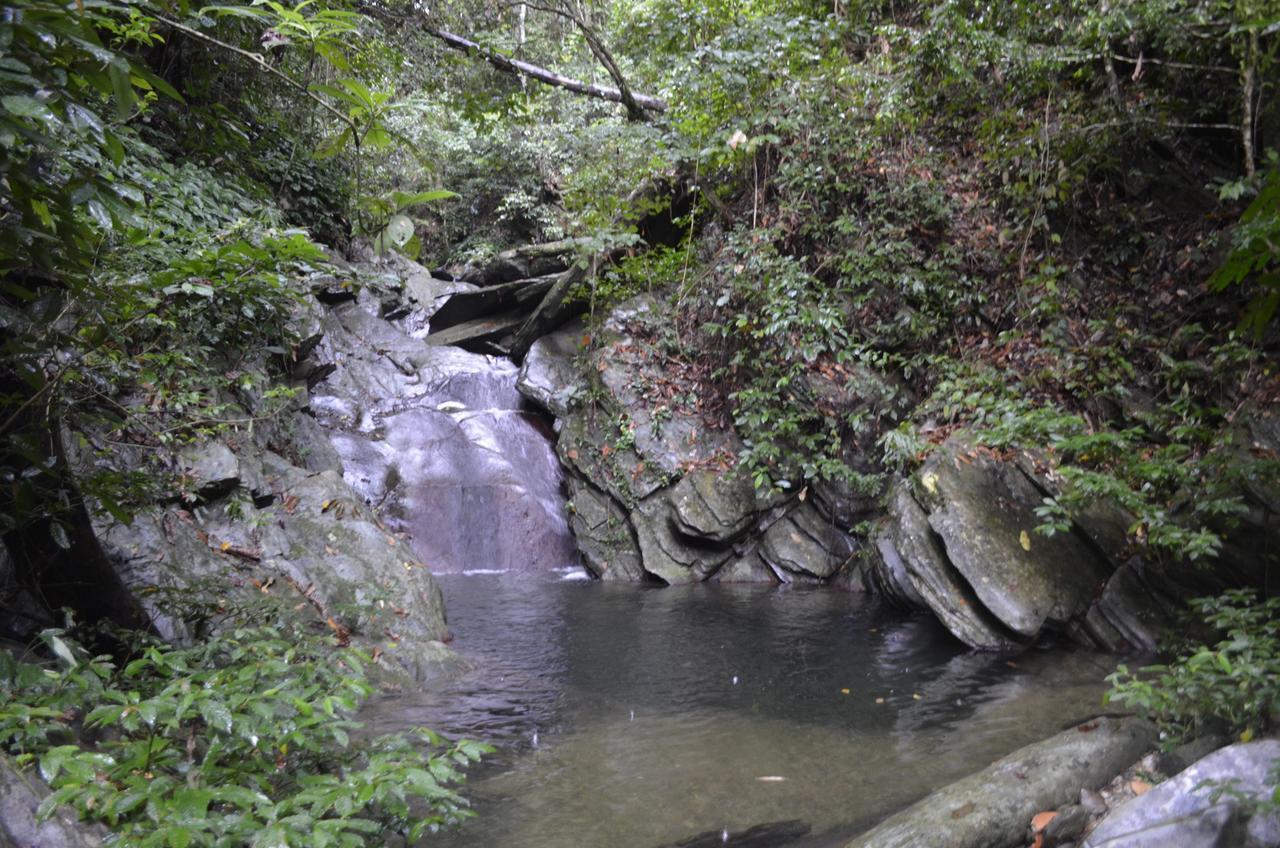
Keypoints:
pixel 1249 74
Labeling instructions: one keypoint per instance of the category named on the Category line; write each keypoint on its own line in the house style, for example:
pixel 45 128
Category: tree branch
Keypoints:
pixel 602 54
pixel 515 66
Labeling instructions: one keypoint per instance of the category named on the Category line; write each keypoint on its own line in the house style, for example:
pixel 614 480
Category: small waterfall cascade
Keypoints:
pixel 441 444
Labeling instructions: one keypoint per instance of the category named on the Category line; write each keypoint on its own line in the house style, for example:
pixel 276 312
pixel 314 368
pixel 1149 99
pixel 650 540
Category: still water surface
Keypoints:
pixel 634 718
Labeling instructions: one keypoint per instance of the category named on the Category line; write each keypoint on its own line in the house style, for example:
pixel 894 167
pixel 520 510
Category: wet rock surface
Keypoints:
pixel 1186 811
pixel 396 458
pixel 961 539
pixel 441 445
pixel 991 808
pixel 21 793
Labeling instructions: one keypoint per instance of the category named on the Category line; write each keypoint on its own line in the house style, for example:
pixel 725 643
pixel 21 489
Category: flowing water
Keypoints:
pixel 632 717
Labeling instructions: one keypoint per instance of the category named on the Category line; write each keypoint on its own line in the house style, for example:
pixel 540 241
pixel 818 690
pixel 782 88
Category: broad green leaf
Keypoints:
pixel 122 86
pixel 23 106
pixel 217 715
pixel 398 231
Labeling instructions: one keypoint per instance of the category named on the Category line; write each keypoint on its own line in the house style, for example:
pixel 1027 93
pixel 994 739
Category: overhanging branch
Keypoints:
pixel 543 75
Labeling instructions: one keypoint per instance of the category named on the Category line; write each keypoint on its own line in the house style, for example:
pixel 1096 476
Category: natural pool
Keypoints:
pixel 633 717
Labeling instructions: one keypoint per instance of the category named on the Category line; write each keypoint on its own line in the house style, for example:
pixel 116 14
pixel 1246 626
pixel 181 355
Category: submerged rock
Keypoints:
pixel 1188 812
pixel 991 808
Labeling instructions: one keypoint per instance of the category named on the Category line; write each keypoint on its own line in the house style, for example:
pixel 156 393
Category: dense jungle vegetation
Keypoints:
pixel 1055 222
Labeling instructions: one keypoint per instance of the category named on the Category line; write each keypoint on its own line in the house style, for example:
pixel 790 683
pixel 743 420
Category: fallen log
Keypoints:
pixel 460 307
pixel 558 307
pixel 478 334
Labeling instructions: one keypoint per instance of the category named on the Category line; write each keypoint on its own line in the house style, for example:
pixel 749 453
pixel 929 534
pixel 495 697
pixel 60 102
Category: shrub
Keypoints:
pixel 244 739
pixel 1233 684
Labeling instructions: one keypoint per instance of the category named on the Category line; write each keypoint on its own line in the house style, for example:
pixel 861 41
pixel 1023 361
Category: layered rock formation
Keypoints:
pixel 961 538
pixel 654 489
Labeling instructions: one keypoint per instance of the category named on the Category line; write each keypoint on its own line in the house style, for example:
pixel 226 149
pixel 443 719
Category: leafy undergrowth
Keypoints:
pixel 246 737
pixel 1227 683
pixel 949 195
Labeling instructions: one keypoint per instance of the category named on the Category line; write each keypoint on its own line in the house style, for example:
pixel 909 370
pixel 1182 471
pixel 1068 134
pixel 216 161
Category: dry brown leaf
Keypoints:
pixel 1041 820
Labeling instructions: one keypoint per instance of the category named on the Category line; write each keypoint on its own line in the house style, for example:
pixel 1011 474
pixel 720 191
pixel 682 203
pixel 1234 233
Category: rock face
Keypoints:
pixel 21 793
pixel 653 486
pixel 990 809
pixel 1183 812
pixel 960 539
pixel 440 444
pixel 398 458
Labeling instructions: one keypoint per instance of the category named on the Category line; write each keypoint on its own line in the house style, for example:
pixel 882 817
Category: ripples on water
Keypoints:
pixel 631 718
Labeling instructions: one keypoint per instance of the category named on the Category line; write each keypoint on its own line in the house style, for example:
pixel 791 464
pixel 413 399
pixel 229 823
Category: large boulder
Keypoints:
pixel 550 375
pixel 21 794
pixel 961 538
pixel 1191 810
pixel 318 545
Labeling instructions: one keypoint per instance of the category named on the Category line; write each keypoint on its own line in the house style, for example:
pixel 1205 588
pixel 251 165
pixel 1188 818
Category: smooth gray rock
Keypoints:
pixel 603 531
pixel 427 292
pixel 21 793
pixel 745 569
pixel 1180 812
pixel 550 375
pixel 320 544
pixel 991 808
pixel 713 505
pixel 805 544
pixel 663 554
pixel 212 468
pixel 983 511
pixel 914 561
pixel 1186 754
pixel 1131 613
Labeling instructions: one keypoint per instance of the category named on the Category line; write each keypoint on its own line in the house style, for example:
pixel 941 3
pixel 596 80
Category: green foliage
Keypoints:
pixel 1255 254
pixel 775 322
pixel 1147 468
pixel 65 97
pixel 246 738
pixel 1230 683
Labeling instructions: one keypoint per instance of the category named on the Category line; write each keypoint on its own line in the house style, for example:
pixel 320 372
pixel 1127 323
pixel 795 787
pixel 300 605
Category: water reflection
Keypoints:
pixel 662 714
